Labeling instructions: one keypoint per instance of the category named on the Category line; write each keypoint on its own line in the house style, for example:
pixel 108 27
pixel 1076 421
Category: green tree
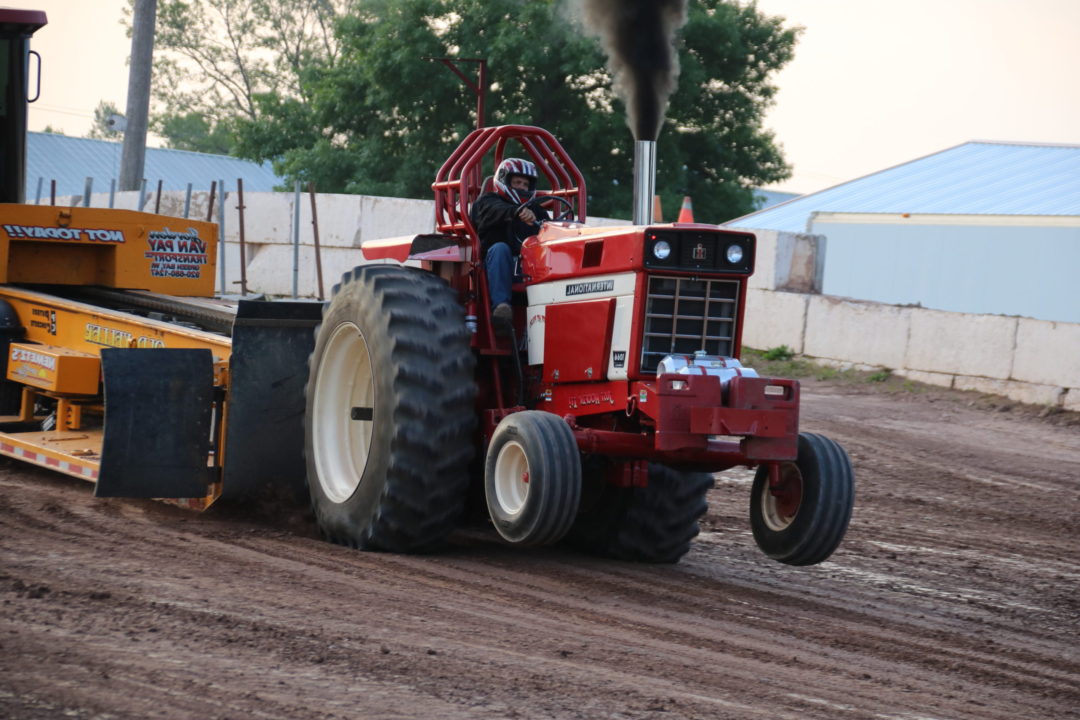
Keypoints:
pixel 380 120
pixel 213 57
pixel 196 132
pixel 101 129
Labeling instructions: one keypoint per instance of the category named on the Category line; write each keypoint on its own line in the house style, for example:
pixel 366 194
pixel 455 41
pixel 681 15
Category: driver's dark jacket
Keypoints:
pixel 495 219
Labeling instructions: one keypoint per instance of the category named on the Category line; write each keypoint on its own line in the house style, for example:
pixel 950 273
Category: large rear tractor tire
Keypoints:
pixel 653 524
pixel 532 478
pixel 802 519
pixel 390 416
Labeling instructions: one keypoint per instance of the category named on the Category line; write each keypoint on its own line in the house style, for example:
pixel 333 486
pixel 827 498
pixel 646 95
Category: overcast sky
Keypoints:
pixel 874 83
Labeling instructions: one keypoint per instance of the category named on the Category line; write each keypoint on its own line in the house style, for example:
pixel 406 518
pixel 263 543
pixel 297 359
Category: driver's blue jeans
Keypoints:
pixel 499 266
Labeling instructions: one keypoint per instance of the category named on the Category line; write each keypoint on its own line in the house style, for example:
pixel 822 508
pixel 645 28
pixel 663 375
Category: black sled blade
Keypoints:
pixel 264 440
pixel 157 423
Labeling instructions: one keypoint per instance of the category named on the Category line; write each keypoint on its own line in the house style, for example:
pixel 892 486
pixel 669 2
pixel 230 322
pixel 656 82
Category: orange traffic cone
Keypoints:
pixel 686 213
pixel 657 215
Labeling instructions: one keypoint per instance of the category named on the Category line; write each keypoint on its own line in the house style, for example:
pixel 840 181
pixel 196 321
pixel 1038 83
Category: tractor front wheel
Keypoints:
pixel 390 417
pixel 532 478
pixel 800 516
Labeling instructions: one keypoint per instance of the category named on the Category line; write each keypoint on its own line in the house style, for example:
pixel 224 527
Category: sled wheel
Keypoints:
pixel 532 478
pixel 653 524
pixel 801 519
pixel 389 415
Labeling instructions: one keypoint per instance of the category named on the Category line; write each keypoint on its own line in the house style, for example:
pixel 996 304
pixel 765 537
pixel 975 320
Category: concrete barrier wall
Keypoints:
pixel 1028 360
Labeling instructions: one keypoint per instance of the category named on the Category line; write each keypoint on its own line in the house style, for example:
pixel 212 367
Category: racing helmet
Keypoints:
pixel 507 169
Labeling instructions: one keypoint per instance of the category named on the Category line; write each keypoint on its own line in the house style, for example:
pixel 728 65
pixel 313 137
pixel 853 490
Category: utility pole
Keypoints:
pixel 138 99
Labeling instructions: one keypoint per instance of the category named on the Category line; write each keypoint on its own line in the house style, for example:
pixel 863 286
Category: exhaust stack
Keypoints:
pixel 644 181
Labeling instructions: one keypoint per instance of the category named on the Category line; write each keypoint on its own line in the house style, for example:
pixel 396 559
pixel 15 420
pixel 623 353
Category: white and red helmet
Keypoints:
pixel 507 169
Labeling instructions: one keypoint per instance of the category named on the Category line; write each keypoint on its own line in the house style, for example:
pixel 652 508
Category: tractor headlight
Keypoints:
pixel 734 254
pixel 661 250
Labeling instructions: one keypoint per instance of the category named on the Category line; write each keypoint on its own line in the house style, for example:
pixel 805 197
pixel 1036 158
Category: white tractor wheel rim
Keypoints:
pixel 512 478
pixel 777 514
pixel 341 443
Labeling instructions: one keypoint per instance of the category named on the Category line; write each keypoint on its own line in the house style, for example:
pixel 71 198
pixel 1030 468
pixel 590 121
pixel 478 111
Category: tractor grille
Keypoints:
pixel 683 315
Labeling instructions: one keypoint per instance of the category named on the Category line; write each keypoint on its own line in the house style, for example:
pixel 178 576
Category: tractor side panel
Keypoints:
pixel 543 297
pixel 577 339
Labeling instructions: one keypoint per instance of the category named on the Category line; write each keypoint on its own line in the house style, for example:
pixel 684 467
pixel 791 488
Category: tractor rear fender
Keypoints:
pixel 431 247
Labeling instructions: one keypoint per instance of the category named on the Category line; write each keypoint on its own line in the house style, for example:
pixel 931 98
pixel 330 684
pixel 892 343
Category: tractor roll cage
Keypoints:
pixel 458 182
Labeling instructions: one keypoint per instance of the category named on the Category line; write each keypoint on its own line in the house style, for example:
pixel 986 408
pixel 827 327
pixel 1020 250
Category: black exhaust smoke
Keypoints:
pixel 639 38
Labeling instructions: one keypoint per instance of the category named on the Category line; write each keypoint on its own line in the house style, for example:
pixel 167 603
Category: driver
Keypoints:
pixel 503 219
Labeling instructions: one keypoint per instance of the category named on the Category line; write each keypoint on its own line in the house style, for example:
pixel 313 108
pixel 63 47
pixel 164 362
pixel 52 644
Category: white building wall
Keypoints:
pixel 984 264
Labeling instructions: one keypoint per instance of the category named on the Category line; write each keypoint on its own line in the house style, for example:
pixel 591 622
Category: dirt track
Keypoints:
pixel 955 595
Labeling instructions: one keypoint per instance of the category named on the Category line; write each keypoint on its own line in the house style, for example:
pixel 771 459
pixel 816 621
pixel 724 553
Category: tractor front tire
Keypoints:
pixel 390 411
pixel 802 519
pixel 532 478
pixel 652 524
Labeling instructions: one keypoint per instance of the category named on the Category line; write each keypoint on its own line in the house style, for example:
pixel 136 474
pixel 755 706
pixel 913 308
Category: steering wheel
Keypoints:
pixel 567 212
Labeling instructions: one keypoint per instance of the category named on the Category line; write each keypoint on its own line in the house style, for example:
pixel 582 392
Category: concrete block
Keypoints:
pixel 270 269
pixel 344 220
pixel 788 261
pixel 773 319
pixel 800 262
pixel 961 343
pixel 1030 393
pixel 764 277
pixel 928 378
pixel 858 332
pixel 1047 353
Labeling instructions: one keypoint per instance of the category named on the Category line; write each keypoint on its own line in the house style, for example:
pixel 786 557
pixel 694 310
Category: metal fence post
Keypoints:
pixel 243 253
pixel 296 241
pixel 221 239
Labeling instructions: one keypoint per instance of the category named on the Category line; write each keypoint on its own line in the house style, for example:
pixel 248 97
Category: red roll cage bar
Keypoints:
pixel 458 182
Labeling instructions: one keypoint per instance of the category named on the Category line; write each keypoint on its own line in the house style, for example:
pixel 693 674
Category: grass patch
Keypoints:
pixel 783 352
pixel 781 362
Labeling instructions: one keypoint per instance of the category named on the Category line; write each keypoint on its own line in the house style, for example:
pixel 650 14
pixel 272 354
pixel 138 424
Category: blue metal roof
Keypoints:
pixel 767 198
pixel 975 178
pixel 70 160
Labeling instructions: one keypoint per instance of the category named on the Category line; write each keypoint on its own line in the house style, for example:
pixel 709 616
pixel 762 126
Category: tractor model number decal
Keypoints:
pixel 36 232
pixel 618 358
pixel 597 398
pixel 43 320
pixel 176 254
pixel 111 337
pixel 587 288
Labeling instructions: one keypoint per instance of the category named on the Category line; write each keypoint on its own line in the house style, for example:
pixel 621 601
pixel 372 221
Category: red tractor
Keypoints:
pixel 599 420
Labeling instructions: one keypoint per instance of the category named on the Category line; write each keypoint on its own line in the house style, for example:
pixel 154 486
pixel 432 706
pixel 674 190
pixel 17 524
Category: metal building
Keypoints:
pixel 983 227
pixel 71 160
